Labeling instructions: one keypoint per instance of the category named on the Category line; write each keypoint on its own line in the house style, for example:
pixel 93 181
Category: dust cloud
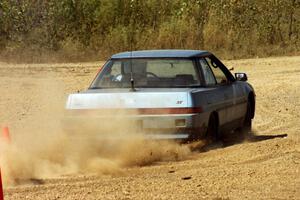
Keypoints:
pixel 42 148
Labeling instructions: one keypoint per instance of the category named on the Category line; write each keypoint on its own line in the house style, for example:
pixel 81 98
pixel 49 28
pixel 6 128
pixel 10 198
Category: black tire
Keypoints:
pixel 247 124
pixel 212 133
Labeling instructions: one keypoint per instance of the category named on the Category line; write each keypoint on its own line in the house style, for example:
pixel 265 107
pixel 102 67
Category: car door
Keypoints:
pixel 238 108
pixel 221 97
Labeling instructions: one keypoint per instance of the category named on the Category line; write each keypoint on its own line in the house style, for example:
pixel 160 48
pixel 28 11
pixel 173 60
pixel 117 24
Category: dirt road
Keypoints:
pixel 266 167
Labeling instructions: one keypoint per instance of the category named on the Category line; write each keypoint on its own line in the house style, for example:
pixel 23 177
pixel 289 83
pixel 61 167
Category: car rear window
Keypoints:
pixel 148 73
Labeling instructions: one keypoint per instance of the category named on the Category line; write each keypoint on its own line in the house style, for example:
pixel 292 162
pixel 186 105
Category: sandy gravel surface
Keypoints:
pixel 265 167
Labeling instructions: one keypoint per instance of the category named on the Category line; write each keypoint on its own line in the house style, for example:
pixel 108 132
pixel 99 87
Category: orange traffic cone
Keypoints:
pixel 5 135
pixel 1 189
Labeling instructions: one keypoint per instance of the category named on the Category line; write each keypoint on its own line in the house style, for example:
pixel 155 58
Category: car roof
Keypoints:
pixel 161 54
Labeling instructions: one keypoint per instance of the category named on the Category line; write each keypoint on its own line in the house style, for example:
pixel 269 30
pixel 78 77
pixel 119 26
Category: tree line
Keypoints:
pixel 82 30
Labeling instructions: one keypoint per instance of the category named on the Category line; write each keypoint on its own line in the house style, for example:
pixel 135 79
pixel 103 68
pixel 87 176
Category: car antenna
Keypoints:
pixel 131 68
pixel 131 74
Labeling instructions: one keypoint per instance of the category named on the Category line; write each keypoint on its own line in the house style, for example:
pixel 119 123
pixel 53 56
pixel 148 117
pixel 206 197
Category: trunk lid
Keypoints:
pixel 123 98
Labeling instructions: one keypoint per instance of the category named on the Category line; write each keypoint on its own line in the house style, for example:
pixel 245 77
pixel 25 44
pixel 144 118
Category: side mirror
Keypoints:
pixel 241 76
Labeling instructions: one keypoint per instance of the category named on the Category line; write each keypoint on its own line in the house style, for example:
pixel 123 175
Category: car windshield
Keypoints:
pixel 147 73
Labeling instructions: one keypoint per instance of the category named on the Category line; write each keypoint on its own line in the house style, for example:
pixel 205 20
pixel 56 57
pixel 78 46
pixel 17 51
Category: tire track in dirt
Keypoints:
pixel 261 168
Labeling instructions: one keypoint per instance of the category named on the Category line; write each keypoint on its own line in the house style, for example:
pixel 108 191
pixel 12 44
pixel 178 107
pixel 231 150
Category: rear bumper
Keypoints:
pixel 171 126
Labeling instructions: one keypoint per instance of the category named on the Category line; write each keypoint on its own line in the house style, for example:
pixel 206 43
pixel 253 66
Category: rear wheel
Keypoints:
pixel 212 133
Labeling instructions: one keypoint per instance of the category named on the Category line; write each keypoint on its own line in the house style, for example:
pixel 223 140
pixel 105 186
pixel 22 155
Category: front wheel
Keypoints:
pixel 248 120
pixel 247 123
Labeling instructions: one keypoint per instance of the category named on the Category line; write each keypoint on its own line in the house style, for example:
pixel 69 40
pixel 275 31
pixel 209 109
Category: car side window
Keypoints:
pixel 207 73
pixel 217 71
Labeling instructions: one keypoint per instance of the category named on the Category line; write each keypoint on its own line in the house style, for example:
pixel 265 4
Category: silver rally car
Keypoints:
pixel 166 94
